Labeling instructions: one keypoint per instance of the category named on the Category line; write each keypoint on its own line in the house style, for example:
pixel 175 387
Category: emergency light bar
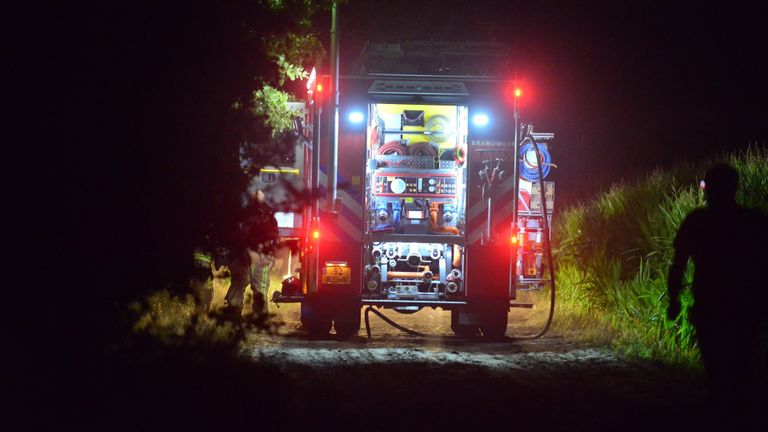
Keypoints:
pixel 480 120
pixel 430 88
pixel 356 117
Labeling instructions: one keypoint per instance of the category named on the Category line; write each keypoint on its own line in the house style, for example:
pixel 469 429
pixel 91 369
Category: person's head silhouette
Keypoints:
pixel 721 181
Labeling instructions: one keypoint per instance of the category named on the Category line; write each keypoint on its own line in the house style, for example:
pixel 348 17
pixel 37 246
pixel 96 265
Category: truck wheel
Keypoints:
pixel 462 330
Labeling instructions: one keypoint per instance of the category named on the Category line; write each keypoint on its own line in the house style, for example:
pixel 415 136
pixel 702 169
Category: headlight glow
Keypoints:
pixel 356 117
pixel 480 119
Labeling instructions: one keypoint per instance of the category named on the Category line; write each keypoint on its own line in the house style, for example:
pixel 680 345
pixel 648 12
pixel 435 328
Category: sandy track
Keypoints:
pixel 550 383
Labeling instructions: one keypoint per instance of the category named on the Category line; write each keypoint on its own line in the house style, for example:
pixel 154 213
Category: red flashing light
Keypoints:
pixel 513 239
pixel 319 87
pixel 315 234
pixel 514 92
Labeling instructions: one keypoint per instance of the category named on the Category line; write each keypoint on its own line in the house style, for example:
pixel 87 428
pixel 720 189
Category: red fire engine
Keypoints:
pixel 415 177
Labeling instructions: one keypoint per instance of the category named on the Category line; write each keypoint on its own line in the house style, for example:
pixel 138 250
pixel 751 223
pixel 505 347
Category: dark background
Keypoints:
pixel 106 99
pixel 121 131
pixel 626 86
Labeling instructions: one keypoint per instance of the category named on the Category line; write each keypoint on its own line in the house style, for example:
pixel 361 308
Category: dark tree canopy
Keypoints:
pixel 135 103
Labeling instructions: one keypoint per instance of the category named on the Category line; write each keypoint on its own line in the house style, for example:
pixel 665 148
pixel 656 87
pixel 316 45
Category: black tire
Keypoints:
pixel 462 330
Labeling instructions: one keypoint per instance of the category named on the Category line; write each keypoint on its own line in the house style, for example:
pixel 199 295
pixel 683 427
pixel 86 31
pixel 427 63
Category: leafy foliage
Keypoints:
pixel 293 52
pixel 175 320
pixel 272 104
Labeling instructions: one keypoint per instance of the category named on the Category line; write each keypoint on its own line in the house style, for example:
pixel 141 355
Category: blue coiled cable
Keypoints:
pixel 531 173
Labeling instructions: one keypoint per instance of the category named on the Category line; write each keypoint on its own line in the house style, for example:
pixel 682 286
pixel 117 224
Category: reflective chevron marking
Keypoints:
pixel 349 201
pixel 350 220
pixel 503 189
pixel 477 233
pixel 350 229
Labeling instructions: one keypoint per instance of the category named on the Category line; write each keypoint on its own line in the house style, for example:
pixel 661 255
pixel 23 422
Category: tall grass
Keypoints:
pixel 613 254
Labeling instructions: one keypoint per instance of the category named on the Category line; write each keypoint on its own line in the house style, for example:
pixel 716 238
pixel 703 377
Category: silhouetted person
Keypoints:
pixel 727 243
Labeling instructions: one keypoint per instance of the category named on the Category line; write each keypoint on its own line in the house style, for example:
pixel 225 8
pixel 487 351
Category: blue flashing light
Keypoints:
pixel 356 117
pixel 480 120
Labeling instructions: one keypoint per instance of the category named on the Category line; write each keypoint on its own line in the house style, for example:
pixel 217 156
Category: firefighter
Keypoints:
pixel 208 266
pixel 202 279
pixel 253 260
pixel 727 245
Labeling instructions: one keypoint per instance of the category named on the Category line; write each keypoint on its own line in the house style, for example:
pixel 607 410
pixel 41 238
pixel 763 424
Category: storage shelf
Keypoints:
pixel 417 238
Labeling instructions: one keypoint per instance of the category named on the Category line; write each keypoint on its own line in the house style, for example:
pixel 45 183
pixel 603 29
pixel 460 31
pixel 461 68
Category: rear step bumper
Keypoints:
pixel 395 303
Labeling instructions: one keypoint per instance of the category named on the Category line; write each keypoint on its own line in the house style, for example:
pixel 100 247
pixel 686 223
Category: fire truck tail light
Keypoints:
pixel 319 87
pixel 316 234
pixel 513 239
pixel 518 92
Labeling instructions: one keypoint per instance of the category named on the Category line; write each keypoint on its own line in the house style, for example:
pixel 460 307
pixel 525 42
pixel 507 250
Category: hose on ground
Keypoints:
pixel 548 243
pixel 388 321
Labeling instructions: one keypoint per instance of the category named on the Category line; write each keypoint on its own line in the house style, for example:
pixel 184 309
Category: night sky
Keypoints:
pixel 626 86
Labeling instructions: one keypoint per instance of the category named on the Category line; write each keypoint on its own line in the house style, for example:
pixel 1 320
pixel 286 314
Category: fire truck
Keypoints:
pixel 425 192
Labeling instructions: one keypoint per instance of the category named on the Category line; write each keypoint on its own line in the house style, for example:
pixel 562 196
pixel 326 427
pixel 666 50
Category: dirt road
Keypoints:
pixel 396 379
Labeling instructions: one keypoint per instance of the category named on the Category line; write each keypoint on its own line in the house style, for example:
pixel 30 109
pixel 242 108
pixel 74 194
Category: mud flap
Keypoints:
pixel 317 313
pixel 464 323
pixel 490 316
pixel 315 318
pixel 493 321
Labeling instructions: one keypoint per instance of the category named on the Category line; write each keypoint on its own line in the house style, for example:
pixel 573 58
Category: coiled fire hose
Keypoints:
pixel 392 148
pixel 421 148
pixel 527 169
